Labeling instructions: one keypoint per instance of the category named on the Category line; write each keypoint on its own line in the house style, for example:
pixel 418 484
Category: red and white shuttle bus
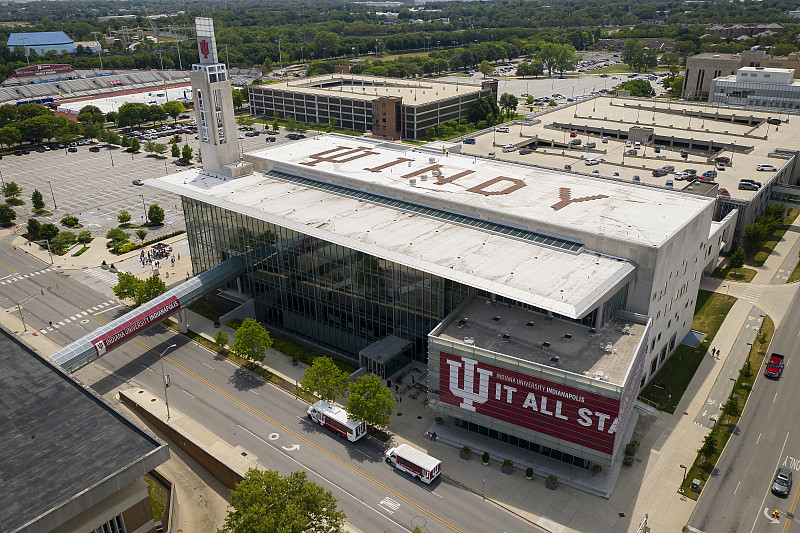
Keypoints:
pixel 412 461
pixel 335 418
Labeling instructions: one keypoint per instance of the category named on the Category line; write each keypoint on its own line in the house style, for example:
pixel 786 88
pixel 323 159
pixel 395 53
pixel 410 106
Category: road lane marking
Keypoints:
pixel 364 454
pixel 791 510
pixel 109 309
pixel 737 487
pixel 254 392
pixel 209 366
pixel 767 491
pixel 759 438
pixel 775 398
pixel 318 448
pixel 187 393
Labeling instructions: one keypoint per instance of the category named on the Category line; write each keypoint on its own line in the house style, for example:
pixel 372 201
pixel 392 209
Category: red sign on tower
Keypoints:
pixel 204 48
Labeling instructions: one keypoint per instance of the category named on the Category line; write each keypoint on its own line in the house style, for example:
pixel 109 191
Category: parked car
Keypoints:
pixel 590 144
pixel 658 172
pixel 691 171
pixel 604 140
pixel 271 139
pixel 723 192
pixel 137 182
pixel 509 148
pixel 72 149
pixel 292 136
pixel 575 142
pixel 250 134
pixel 747 186
pixel 782 483
pixel 469 140
pixel 632 151
pixel 764 166
pixel 719 166
pixel 722 159
pixel 682 176
pixel 670 184
pixel 637 179
pixel 710 174
pixel 525 151
pixel 94 148
pixel 669 168
pixel 573 133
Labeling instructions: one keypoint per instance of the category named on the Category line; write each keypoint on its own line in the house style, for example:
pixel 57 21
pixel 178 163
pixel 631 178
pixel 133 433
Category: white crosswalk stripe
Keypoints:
pixel 102 275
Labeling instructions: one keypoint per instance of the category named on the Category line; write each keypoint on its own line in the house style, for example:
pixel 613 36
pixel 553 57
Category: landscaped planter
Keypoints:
pixel 485 458
pixel 508 467
pixel 628 461
pixel 631 447
pixel 529 473
pixel 551 482
pixel 465 453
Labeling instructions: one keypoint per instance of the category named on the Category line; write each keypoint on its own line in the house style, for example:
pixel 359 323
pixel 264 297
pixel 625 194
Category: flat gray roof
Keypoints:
pixel 754 143
pixel 585 353
pixel 63 448
pixel 413 92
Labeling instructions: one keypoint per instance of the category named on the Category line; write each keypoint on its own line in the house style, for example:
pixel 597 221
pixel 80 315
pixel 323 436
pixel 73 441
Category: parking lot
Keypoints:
pixel 95 186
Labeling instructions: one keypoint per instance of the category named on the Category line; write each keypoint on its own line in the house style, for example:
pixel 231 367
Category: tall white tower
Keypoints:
pixel 213 104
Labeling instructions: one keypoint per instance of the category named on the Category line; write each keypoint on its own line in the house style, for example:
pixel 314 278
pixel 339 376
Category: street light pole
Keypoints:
pixel 144 208
pixel 163 376
pixel 684 479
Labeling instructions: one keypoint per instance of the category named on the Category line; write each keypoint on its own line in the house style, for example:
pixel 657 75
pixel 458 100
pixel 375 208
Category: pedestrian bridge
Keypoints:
pixel 107 337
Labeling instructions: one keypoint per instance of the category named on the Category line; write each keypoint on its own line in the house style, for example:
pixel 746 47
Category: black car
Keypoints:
pixel 525 151
pixel 292 136
pixel 18 152
pixel 469 140
pixel 747 186
pixel 72 149
pixel 660 172
pixel 782 483
pixel 181 162
pixel 137 182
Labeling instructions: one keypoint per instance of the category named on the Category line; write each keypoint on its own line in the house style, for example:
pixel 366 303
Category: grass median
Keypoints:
pixel 743 275
pixel 704 466
pixel 677 372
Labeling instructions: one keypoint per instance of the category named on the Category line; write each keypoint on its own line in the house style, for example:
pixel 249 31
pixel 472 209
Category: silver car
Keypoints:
pixel 782 484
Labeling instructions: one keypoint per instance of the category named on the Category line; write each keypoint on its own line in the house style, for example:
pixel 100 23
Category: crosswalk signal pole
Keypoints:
pixel 21 317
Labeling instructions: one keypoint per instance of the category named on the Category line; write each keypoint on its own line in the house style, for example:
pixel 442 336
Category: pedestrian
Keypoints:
pixel 397 388
pixel 51 323
pixel 187 276
pixel 713 351
pixel 412 380
pixel 179 256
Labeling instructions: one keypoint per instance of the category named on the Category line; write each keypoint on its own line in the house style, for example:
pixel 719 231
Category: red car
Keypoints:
pixel 40 150
pixel 722 159
pixel 94 148
pixel 573 133
pixel 723 192
pixel 271 139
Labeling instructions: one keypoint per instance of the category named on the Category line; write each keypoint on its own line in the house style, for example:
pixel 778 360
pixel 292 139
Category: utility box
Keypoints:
pixel 696 485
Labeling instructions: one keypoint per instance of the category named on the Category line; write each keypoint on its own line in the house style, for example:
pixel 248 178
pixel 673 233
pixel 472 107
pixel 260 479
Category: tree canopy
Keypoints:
pixel 266 501
pixel 252 340
pixel 325 379
pixel 370 400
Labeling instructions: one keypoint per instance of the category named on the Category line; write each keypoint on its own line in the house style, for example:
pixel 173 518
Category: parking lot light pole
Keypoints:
pixel 52 194
pixel 144 208
pixel 163 376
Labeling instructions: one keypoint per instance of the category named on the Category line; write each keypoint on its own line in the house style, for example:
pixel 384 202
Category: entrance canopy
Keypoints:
pixel 386 356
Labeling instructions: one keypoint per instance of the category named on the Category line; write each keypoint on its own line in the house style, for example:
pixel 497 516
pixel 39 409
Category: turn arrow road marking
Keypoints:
pixel 291 448
pixel 772 520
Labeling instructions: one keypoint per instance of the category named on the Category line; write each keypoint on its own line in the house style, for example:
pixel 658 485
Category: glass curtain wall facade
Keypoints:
pixel 323 292
pixel 754 94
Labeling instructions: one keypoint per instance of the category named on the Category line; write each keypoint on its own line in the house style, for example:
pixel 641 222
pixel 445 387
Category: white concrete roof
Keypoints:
pixel 571 284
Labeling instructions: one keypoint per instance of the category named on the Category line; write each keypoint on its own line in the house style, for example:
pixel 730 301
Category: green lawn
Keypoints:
pixel 744 275
pixel 678 371
pixel 619 68
pixel 725 427
pixel 795 275
pixel 158 497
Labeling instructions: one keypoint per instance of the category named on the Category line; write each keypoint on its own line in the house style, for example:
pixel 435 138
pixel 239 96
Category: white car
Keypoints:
pixel 491 155
pixel 593 161
pixel 240 136
pixel 509 148
pixel 770 168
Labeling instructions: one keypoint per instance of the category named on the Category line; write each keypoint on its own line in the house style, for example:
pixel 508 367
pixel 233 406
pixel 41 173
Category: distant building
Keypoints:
pixel 610 44
pixel 42 42
pixel 93 46
pixel 738 30
pixel 766 88
pixel 390 108
pixel 659 44
pixel 795 13
pixel 702 69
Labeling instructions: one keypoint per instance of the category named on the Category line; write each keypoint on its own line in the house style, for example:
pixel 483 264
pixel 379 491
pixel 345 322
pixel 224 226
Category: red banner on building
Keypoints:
pixel 559 411
pixel 144 319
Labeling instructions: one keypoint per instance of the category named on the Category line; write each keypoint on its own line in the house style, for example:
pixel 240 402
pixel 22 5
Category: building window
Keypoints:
pixel 653 365
pixel 115 525
pixel 663 355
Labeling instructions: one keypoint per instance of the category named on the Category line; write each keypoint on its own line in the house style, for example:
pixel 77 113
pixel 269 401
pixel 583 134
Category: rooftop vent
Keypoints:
pixel 412 182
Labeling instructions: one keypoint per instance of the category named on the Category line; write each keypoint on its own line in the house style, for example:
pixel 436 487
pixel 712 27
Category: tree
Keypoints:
pixel 126 285
pixel 176 152
pixel 131 114
pixel 186 153
pixel 33 229
pixel 221 339
pixel 7 215
pixel 485 68
pixel 85 237
pixel 37 200
pixel 252 340
pixel 117 235
pixel 61 242
pixel 10 135
pixel 173 108
pixel 752 238
pixel 326 379
pixel 638 88
pixel 370 400
pixel 737 259
pixel 238 98
pixel 8 114
pixel 150 146
pixel 48 231
pixel 508 102
pixel 135 146
pixel 709 446
pixel 124 217
pixel 90 113
pixel 156 114
pixel 731 407
pixel 11 190
pixel 150 288
pixel 326 43
pixel 633 54
pixel 266 501
pixel 141 234
pixel 160 148
pixel 155 214
pixel 92 130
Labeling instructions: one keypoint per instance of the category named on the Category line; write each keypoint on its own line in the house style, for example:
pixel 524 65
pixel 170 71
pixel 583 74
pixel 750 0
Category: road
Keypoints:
pixel 245 411
pixel 768 436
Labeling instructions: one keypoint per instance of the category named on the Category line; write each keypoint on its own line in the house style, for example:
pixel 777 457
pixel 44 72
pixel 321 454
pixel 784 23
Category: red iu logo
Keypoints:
pixel 204 48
